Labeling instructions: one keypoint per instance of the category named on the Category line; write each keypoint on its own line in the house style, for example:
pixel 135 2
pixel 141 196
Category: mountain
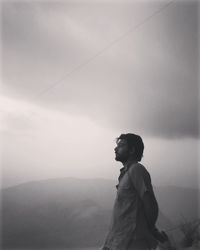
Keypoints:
pixel 178 203
pixel 71 212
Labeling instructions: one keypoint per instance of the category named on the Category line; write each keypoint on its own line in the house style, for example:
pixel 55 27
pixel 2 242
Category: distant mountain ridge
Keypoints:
pixel 70 212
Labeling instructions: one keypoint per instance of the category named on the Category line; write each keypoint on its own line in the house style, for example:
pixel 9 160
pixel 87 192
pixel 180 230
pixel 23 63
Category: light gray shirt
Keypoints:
pixel 128 221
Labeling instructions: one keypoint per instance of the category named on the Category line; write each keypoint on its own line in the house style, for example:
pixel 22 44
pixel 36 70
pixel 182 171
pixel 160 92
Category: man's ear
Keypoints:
pixel 132 150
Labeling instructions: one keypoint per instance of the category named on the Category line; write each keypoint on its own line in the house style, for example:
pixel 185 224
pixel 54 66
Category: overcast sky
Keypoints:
pixel 76 74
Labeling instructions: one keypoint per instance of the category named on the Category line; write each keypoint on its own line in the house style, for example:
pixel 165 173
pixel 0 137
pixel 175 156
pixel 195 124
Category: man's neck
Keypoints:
pixel 129 161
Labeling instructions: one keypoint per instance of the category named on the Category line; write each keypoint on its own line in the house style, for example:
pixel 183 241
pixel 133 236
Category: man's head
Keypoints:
pixel 129 146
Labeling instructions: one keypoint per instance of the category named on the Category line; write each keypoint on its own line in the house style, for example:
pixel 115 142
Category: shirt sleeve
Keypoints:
pixel 141 179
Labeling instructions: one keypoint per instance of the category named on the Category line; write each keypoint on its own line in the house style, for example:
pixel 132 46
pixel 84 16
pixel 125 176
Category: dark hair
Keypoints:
pixel 134 141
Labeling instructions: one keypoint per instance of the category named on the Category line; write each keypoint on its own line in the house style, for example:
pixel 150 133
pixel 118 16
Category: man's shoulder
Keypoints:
pixel 137 168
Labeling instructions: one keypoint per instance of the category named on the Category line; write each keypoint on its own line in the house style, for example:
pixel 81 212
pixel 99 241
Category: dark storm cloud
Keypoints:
pixel 147 82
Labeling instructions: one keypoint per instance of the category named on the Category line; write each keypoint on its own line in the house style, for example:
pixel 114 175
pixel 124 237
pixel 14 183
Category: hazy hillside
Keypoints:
pixel 178 202
pixel 75 212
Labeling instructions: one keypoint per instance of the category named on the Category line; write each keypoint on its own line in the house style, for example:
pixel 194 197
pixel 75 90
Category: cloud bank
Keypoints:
pixel 147 82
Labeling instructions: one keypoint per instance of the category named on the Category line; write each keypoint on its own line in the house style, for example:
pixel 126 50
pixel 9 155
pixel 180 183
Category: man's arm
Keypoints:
pixel 142 183
pixel 150 208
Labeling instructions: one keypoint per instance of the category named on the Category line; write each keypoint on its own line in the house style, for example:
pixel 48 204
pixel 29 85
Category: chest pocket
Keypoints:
pixel 125 188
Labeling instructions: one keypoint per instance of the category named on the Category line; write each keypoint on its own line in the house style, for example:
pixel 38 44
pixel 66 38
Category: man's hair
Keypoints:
pixel 134 141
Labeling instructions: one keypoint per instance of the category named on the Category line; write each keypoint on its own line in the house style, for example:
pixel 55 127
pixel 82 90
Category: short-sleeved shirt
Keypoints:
pixel 128 223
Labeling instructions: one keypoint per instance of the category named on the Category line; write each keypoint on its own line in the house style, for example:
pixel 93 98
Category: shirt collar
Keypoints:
pixel 124 169
pixel 127 165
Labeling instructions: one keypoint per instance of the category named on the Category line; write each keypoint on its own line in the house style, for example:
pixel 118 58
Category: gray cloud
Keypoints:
pixel 147 82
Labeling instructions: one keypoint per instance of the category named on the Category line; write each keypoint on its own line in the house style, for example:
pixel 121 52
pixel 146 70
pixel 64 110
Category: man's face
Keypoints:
pixel 121 151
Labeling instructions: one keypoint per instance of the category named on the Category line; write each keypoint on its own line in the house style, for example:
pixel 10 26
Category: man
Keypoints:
pixel 135 210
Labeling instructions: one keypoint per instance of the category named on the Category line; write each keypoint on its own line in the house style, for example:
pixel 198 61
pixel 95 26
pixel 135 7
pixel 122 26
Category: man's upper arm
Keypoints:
pixel 141 180
pixel 142 183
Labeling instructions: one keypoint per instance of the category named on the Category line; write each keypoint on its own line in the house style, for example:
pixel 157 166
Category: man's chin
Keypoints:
pixel 117 158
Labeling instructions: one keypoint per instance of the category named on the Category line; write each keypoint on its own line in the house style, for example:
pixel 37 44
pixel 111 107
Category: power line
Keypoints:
pixel 81 65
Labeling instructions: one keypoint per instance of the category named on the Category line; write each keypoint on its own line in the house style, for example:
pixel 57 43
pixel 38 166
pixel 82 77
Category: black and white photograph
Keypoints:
pixel 100 144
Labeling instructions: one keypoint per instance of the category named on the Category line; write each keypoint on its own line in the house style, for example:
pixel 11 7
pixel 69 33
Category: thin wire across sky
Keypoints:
pixel 100 52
